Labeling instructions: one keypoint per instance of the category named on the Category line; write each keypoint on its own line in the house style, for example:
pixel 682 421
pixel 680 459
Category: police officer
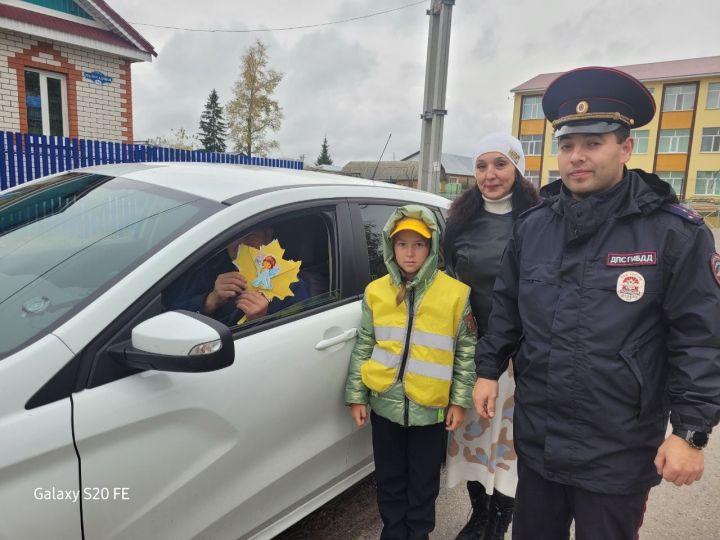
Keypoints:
pixel 608 301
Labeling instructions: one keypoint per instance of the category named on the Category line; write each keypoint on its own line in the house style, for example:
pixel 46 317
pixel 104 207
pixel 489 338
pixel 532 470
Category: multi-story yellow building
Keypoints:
pixel 681 144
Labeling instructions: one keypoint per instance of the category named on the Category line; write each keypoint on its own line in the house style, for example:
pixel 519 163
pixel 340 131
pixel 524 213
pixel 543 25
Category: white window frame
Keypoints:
pixel 532 144
pixel 44 104
pixel 533 177
pixel 553 175
pixel 553 146
pixel 674 178
pixel 712 135
pixel 711 181
pixel 675 140
pixel 679 97
pixel 534 108
pixel 640 135
pixel 713 97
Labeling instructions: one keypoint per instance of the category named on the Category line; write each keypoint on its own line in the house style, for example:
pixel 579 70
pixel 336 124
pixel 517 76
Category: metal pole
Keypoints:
pixel 434 111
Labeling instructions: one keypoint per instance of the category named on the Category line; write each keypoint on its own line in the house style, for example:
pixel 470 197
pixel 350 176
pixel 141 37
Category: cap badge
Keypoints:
pixel 582 107
pixel 630 286
pixel 514 156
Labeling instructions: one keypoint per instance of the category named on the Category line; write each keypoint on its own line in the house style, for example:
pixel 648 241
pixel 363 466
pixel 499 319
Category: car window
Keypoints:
pixel 308 237
pixel 65 240
pixel 374 217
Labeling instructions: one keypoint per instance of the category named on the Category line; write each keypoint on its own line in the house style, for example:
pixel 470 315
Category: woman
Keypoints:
pixel 480 223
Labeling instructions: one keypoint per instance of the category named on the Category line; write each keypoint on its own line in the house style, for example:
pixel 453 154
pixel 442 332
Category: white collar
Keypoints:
pixel 499 206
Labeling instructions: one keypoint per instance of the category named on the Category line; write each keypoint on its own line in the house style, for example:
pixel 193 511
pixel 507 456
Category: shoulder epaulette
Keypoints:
pixel 686 213
pixel 543 202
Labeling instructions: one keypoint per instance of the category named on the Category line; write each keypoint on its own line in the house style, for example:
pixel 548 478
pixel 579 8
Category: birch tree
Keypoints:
pixel 252 113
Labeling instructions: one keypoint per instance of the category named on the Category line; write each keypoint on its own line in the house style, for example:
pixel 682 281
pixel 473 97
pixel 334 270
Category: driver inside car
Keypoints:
pixel 218 290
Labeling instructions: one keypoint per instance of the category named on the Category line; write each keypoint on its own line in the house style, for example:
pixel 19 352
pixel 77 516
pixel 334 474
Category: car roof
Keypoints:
pixel 227 182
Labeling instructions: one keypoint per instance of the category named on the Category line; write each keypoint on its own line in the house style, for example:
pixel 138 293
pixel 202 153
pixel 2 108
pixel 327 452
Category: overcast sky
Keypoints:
pixel 357 82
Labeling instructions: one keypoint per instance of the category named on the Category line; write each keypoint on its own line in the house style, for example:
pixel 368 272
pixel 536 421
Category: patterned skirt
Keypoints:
pixel 482 450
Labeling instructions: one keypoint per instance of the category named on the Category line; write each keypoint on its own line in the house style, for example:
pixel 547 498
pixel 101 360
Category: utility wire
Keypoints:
pixel 381 155
pixel 211 30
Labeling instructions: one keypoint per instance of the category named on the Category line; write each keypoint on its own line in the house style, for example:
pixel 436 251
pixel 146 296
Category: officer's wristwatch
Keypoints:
pixel 696 439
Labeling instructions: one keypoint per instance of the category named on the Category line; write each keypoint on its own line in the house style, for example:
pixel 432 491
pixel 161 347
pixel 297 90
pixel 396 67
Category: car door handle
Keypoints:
pixel 347 335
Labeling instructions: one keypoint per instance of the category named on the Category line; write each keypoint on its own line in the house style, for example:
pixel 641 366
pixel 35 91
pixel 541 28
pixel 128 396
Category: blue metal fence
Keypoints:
pixel 24 157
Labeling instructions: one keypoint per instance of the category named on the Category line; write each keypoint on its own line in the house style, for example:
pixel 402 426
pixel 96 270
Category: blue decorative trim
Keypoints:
pixel 65 6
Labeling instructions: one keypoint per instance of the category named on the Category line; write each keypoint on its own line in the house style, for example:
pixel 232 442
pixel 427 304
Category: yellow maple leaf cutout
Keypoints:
pixel 266 271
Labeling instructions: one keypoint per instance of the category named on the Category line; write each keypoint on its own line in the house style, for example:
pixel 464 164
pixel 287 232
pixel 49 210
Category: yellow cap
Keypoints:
pixel 412 224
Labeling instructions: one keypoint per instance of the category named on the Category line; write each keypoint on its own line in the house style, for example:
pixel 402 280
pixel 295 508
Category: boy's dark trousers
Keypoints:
pixel 545 509
pixel 407 471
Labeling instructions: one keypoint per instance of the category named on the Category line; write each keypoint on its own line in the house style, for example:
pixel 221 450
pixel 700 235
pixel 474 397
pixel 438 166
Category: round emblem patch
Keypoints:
pixel 630 286
pixel 715 266
pixel 582 107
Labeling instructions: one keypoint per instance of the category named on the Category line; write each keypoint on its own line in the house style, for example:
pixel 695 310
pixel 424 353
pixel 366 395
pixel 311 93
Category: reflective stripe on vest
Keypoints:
pixel 429 368
pixel 386 358
pixel 426 339
pixel 436 371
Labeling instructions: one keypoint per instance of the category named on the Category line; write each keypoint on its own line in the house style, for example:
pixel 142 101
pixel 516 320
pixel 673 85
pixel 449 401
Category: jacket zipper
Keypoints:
pixel 406 351
pixel 407 410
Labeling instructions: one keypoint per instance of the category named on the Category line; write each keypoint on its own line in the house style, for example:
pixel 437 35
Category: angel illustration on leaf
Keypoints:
pixel 267 271
pixel 267 268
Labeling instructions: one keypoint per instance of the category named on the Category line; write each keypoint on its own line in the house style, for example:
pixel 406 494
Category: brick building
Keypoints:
pixel 65 69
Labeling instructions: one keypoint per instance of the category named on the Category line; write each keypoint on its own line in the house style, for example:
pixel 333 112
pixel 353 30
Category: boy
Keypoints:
pixel 413 358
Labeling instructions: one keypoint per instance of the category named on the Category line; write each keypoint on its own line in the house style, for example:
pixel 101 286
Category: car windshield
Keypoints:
pixel 65 240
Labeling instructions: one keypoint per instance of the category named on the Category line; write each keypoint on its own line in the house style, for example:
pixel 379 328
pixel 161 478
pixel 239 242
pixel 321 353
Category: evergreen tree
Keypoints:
pixel 324 157
pixel 213 129
pixel 253 112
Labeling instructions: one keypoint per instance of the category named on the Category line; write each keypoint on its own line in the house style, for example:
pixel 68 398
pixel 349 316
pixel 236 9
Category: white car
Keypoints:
pixel 122 418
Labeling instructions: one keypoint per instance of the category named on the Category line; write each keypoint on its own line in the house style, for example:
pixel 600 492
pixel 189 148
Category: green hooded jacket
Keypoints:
pixel 394 404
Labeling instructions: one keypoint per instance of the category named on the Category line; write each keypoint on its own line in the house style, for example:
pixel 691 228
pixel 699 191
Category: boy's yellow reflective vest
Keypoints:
pixel 415 346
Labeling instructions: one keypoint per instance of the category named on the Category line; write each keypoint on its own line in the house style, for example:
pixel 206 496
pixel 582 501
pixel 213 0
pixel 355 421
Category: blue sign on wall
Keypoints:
pixel 98 77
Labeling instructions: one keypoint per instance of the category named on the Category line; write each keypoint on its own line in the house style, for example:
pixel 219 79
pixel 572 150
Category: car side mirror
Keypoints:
pixel 181 341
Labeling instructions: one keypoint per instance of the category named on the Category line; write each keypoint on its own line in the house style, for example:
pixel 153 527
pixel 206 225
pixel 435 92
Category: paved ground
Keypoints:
pixel 688 513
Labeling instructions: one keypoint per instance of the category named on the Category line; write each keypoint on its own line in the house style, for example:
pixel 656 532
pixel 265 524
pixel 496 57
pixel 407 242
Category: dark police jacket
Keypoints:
pixel 597 375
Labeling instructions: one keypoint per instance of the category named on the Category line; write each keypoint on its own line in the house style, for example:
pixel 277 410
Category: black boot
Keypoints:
pixel 501 512
pixel 475 527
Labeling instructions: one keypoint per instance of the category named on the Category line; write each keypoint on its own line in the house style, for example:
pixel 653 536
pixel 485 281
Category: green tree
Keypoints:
pixel 213 129
pixel 253 112
pixel 324 157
